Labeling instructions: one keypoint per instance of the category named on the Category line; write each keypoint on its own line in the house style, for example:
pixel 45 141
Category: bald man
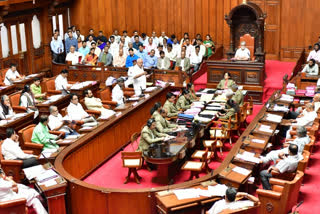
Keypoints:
pixel 243 53
pixel 139 77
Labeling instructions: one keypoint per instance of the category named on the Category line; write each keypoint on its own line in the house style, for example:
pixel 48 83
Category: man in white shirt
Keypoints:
pixel 93 103
pixel 242 53
pixel 79 35
pixel 171 54
pixel 117 92
pixel 202 47
pixel 61 82
pixel 76 112
pixel 196 59
pixel 127 39
pixel 139 77
pixel 189 48
pixel 150 45
pixel 97 50
pixel 288 164
pixel 10 190
pixel 230 203
pixel 163 62
pixel 12 151
pixel 90 41
pixel 74 56
pixel 120 59
pixel 58 123
pixel 163 36
pixel 176 47
pixel 12 75
pixel 305 119
pixel 116 36
pixel 27 100
pixel 315 54
pixel 114 46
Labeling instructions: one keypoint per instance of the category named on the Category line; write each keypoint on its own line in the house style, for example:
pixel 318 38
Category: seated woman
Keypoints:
pixel 27 100
pixel 6 110
pixel 227 82
pixel 159 114
pixel 311 68
pixel 230 203
pixel 193 96
pixel 37 91
pixel 150 135
pixel 183 101
pixel 91 58
pixel 243 53
pixel 169 105
pixel 231 109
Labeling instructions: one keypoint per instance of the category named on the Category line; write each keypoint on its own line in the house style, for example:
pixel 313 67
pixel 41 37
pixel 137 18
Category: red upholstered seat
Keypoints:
pixel 249 43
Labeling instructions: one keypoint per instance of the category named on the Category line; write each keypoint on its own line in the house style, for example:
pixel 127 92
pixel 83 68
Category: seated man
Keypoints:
pixel 242 53
pixel 238 96
pixel 305 119
pixel 12 151
pixel 151 60
pixel 61 82
pixel 41 135
pixel 150 135
pixel 230 203
pixel 27 100
pixel 141 53
pixel 169 105
pixel 93 103
pixel 117 92
pixel 288 164
pixel 57 123
pixel 183 101
pixel 130 58
pixel 76 112
pixel 315 54
pixel 6 110
pixel 12 75
pixel 196 58
pixel 119 60
pixel 162 125
pixel 163 62
pixel 10 190
pixel 301 140
pixel 74 56
pixel 311 68
pixel 183 62
pixel 105 57
pixel 37 91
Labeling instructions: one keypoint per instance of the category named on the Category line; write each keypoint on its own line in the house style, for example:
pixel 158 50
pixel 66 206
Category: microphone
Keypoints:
pixel 298 205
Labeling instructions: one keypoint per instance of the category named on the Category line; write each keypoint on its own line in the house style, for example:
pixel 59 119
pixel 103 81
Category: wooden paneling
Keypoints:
pixel 290 25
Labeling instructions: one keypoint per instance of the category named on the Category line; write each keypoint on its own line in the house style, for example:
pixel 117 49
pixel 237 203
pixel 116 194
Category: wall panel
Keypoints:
pixel 290 25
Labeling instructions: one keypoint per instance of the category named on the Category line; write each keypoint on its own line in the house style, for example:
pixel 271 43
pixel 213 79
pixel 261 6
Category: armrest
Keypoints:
pixel 19 108
pixel 128 93
pixel 53 92
pixel 112 103
pixel 12 203
pixel 106 106
pixel 269 193
pixel 93 112
pixel 33 145
pixel 276 181
pixel 30 152
pixel 12 162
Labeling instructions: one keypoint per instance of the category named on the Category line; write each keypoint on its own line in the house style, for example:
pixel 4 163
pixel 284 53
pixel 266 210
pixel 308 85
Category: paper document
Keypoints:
pixel 206 97
pixel 258 141
pixel 47 175
pixel 34 171
pixel 185 193
pixel 274 118
pixel 248 158
pixel 241 170
pixel 218 190
pixel 149 89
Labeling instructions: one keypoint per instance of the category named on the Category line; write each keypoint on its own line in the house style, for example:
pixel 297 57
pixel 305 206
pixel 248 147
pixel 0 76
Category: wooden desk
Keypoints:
pixel 243 163
pixel 60 103
pixel 255 147
pixel 303 80
pixel 16 124
pixel 6 90
pixel 168 203
pixel 80 92
pixel 258 132
pixel 28 80
pixel 249 74
pixel 232 178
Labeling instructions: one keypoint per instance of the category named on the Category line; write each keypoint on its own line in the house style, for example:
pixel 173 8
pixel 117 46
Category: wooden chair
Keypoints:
pixel 132 161
pixel 17 206
pixel 50 87
pixel 133 139
pixel 105 96
pixel 243 114
pixel 15 100
pixel 199 154
pixel 212 145
pixel 246 210
pixel 195 167
pixel 25 136
pixel 250 106
pixel 282 197
pixel 221 132
pixel 92 112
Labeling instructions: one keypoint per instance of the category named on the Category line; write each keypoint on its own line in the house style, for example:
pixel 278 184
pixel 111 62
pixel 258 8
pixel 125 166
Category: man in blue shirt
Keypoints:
pixel 136 43
pixel 56 47
pixel 84 50
pixel 151 60
pixel 71 41
pixel 170 40
pixel 132 57
pixel 141 53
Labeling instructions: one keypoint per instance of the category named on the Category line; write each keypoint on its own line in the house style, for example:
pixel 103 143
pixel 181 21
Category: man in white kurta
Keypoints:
pixel 93 103
pixel 31 196
pixel 61 82
pixel 12 75
pixel 242 53
pixel 76 112
pixel 117 92
pixel 139 77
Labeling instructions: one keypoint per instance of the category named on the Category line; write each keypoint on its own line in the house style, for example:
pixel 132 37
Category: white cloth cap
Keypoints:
pixel 110 81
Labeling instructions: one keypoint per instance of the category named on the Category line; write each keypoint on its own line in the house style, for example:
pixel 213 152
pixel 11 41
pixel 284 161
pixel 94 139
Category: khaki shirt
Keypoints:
pixel 172 111
pixel 183 103
pixel 162 125
pixel 222 83
pixel 238 97
pixel 148 137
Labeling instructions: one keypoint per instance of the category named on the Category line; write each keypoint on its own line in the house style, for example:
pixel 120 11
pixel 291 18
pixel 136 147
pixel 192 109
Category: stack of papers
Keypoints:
pixel 285 97
pixel 274 118
pixel 47 175
pixel 34 171
pixel 241 170
pixel 82 84
pixel 55 97
pixel 217 190
pixel 258 141
pixel 280 108
pixel 206 97
pixel 248 156
pixel 265 128
pixel 149 89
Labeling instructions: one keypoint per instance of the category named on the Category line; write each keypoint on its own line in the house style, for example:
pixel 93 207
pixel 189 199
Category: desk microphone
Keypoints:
pixel 298 205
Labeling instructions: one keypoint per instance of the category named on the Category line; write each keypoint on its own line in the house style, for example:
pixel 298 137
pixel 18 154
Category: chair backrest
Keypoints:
pixel 131 155
pixel 15 98
pixel 244 112
pixel 302 165
pixel 292 189
pixel 26 133
pixel 249 43
pixel 134 138
pixel 50 85
pixel 14 206
pixel 250 106
pixel 106 94
pixel 204 157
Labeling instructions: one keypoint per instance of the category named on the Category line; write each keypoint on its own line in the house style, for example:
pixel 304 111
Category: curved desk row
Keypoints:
pixel 92 150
